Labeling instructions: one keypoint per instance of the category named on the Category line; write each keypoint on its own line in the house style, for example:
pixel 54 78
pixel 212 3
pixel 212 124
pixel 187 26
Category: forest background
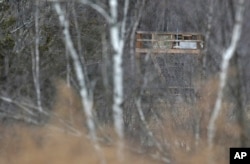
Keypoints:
pixel 70 83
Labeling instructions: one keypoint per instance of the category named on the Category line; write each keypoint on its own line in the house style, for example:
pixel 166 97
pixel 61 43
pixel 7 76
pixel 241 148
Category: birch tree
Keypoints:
pixel 35 60
pixel 117 31
pixel 117 39
pixel 226 56
pixel 86 95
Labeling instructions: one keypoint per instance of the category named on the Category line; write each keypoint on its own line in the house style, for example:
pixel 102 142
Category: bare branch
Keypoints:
pixel 20 105
pixel 125 13
pixel 98 8
pixel 20 118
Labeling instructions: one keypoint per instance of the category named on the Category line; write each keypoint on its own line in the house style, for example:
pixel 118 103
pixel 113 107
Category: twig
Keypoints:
pixel 20 118
pixel 9 100
pixel 99 9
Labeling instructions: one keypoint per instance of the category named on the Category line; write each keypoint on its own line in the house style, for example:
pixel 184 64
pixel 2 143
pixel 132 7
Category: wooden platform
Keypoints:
pixel 167 51
pixel 173 43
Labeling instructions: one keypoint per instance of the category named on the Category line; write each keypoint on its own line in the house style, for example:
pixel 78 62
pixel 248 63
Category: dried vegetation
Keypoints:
pixel 64 138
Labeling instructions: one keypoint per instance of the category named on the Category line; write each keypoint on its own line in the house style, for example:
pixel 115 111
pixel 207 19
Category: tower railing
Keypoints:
pixel 174 43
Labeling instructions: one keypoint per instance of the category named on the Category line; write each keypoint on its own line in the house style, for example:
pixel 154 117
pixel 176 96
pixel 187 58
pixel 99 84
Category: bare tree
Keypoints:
pixel 86 94
pixel 226 56
pixel 117 40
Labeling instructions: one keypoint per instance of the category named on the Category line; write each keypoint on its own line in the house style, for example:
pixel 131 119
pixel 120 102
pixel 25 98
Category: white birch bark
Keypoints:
pixel 226 56
pixel 117 69
pixel 35 60
pixel 117 36
pixel 87 99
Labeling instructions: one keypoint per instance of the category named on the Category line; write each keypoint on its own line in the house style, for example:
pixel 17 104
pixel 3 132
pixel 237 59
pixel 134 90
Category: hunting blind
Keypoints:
pixel 176 56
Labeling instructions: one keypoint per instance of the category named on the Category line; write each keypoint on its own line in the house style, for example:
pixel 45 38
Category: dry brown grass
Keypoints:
pixel 53 143
pixel 28 145
pixel 22 144
pixel 177 130
pixel 67 105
